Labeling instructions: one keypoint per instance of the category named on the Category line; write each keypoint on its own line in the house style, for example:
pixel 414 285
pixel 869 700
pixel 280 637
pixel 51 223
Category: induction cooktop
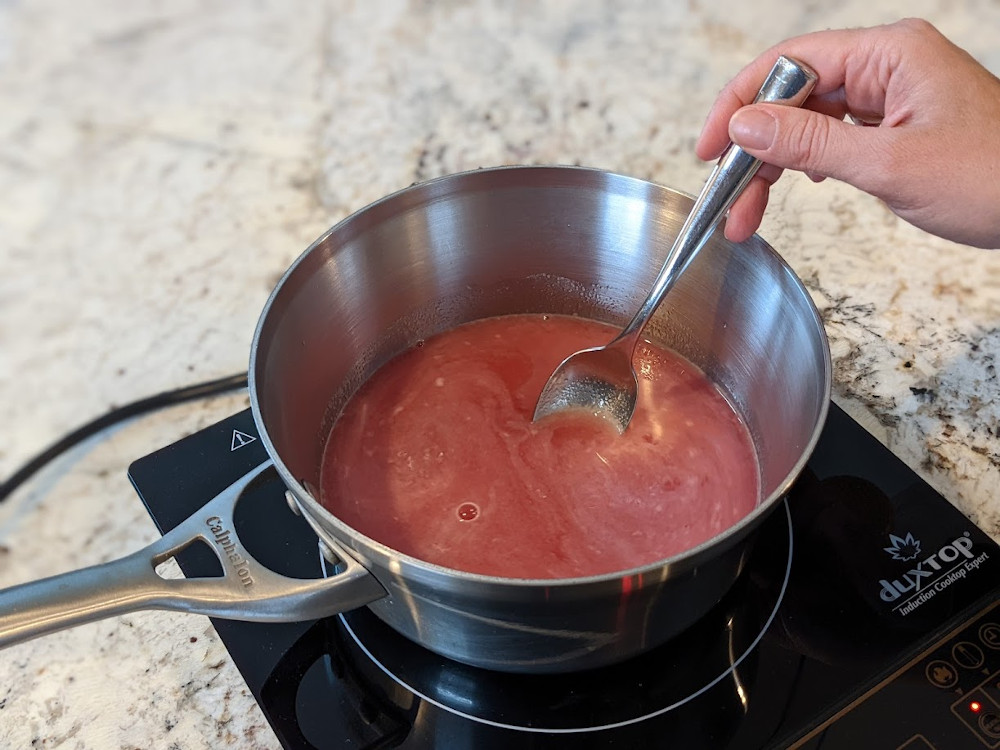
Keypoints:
pixel 866 617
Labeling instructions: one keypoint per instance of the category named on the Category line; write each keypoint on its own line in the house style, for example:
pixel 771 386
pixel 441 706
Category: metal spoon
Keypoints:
pixel 601 381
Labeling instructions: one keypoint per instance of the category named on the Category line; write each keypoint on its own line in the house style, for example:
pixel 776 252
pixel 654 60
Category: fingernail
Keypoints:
pixel 752 128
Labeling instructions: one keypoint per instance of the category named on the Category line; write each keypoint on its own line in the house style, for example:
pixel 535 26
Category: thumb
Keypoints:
pixel 807 141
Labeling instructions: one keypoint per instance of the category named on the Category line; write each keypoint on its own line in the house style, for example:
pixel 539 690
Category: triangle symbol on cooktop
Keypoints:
pixel 239 440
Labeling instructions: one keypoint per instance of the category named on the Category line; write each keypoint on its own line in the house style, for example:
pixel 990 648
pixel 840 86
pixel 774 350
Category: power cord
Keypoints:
pixel 150 403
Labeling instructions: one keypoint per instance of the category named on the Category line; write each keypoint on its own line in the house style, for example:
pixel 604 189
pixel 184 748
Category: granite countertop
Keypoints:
pixel 163 163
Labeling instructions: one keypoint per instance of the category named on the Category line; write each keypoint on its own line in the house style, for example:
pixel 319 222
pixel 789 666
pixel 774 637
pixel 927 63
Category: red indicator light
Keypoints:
pixel 975 706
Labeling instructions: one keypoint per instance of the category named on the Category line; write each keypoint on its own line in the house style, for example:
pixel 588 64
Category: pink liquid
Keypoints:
pixel 437 457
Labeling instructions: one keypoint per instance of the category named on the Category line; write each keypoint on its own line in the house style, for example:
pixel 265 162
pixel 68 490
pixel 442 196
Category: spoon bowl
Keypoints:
pixel 601 381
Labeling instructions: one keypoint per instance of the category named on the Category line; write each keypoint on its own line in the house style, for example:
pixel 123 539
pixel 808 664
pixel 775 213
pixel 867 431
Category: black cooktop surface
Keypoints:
pixel 864 618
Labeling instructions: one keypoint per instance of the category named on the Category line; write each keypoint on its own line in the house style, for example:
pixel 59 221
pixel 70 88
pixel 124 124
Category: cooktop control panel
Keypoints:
pixel 949 694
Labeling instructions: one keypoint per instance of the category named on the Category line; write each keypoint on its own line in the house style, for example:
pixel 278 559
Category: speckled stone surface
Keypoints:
pixel 162 163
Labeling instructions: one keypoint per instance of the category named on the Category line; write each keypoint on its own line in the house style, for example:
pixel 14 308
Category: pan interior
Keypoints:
pixel 534 240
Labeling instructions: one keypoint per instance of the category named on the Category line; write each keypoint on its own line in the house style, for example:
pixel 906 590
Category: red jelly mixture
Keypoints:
pixel 437 457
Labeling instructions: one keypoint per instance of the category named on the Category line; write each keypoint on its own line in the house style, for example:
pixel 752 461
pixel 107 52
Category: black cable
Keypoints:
pixel 159 401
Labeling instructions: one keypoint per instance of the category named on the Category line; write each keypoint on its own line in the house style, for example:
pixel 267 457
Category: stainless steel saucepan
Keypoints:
pixel 495 241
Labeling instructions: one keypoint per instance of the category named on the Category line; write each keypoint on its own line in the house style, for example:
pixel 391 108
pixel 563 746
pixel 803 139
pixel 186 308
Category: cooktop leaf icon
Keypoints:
pixel 903 548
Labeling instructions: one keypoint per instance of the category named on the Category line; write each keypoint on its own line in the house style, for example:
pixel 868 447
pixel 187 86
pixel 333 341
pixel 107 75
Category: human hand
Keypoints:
pixel 931 150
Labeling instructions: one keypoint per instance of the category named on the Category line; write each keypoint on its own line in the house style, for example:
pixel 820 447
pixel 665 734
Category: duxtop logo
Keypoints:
pixel 903 548
pixel 931 574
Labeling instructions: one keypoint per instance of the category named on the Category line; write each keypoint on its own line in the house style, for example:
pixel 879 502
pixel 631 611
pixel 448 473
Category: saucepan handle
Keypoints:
pixel 245 590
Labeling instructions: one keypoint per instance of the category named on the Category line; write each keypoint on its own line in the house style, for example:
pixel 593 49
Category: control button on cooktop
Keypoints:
pixel 967 655
pixel 989 634
pixel 941 674
pixel 989 723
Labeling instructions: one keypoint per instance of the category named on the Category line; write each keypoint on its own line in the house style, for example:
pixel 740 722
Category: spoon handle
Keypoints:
pixel 788 83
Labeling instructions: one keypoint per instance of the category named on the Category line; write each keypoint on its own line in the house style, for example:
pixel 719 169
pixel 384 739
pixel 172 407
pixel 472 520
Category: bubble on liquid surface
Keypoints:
pixel 468 512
